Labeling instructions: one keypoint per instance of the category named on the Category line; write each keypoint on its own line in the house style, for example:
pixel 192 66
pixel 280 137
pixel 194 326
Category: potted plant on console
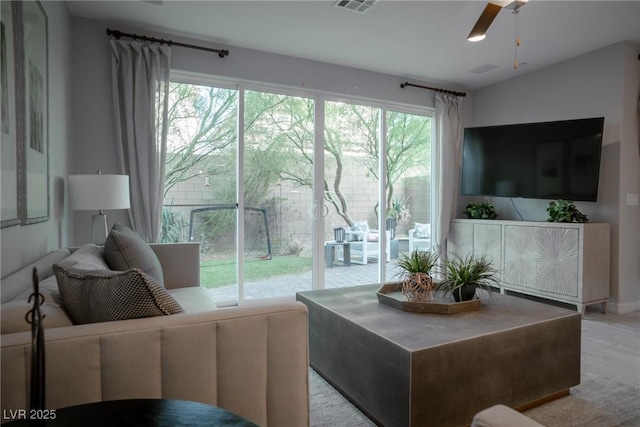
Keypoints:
pixel 462 276
pixel 483 210
pixel 565 211
pixel 417 268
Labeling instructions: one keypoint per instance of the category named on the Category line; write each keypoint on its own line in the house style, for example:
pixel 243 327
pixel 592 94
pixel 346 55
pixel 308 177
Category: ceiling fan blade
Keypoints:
pixel 484 21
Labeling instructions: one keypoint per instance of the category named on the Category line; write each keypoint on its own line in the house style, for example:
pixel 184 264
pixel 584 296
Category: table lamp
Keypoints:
pixel 99 192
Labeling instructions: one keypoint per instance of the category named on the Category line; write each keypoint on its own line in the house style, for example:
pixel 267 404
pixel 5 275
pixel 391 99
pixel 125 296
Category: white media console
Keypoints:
pixel 566 262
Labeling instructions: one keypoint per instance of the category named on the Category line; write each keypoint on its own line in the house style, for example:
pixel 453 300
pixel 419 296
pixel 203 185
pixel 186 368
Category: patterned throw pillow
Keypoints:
pixel 125 249
pixel 91 296
pixel 422 231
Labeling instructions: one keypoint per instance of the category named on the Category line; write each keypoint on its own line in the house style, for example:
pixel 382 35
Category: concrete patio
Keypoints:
pixel 287 286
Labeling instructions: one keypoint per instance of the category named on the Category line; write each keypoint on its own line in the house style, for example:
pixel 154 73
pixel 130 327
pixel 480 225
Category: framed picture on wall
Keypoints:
pixel 35 75
pixel 10 212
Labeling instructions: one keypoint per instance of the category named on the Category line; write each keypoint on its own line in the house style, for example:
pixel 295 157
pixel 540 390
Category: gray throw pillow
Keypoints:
pixel 125 249
pixel 86 257
pixel 91 296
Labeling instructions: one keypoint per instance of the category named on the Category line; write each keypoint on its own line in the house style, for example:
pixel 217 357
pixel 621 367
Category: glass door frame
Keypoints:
pixel 318 206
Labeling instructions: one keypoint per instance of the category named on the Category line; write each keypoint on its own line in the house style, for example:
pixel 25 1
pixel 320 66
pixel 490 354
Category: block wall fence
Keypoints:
pixel 289 209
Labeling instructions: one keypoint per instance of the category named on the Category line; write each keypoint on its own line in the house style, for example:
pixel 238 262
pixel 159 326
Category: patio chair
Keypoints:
pixel 420 237
pixel 364 243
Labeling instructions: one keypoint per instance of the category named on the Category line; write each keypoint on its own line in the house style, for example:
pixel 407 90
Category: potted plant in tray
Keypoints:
pixel 417 282
pixel 462 276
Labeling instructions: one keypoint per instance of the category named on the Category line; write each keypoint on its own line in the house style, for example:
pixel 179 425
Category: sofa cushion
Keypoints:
pixel 194 299
pixel 16 283
pixel 107 295
pixel 87 257
pixel 125 249
pixel 502 416
pixel 13 313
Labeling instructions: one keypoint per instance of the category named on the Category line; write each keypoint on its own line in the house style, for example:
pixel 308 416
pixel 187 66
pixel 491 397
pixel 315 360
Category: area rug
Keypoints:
pixel 596 402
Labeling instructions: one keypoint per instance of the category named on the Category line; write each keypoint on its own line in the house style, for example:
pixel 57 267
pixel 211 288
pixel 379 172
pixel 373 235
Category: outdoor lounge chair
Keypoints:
pixel 365 243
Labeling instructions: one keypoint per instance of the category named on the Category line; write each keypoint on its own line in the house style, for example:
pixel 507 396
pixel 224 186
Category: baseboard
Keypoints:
pixel 543 400
pixel 623 308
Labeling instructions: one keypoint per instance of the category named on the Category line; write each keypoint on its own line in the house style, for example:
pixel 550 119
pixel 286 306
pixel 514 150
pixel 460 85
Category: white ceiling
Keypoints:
pixel 422 40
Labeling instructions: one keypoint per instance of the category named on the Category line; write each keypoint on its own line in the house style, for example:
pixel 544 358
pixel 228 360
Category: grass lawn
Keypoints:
pixel 221 272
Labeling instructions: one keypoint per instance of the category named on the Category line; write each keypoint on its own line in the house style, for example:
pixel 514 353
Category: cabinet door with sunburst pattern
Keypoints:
pixel 557 261
pixel 460 241
pixel 520 255
pixel 487 241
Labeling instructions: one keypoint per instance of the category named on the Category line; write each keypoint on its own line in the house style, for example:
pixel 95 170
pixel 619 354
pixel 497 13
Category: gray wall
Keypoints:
pixel 602 83
pixel 92 101
pixel 23 244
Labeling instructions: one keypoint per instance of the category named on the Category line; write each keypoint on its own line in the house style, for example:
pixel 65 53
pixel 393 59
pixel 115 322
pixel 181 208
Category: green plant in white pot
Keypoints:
pixel 417 268
pixel 462 276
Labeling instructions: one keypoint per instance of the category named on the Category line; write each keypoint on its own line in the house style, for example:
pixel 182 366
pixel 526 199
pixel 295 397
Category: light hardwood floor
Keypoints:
pixel 611 346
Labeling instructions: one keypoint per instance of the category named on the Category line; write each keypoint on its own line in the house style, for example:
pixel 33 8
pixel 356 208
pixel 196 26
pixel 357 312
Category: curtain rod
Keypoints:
pixel 452 92
pixel 117 34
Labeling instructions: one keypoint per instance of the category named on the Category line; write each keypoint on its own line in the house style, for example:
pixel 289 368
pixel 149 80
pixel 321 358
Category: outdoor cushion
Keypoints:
pixel 360 227
pixel 107 295
pixel 422 231
pixel 125 249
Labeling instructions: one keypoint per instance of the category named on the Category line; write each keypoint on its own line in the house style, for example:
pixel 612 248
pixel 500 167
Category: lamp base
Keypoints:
pixel 99 229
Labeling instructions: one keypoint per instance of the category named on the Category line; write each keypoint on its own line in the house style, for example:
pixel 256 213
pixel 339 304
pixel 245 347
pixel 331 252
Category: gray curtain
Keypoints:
pixel 140 74
pixel 448 165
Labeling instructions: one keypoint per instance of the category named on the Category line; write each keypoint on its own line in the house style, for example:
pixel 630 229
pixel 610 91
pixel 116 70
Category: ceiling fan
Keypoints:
pixel 489 13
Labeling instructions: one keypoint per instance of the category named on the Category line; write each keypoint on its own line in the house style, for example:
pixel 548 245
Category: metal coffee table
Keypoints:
pixel 417 369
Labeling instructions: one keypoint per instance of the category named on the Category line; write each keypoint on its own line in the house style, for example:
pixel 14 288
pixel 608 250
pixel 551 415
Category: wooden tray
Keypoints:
pixel 391 294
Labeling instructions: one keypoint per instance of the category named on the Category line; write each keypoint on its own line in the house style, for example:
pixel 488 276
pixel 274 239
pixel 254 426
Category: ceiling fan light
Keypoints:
pixel 476 37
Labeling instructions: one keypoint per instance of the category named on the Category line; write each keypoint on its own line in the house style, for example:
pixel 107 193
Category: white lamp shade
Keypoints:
pixel 98 192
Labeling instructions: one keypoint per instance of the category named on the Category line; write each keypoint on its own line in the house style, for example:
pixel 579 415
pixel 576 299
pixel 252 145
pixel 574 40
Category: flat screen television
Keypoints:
pixel 548 160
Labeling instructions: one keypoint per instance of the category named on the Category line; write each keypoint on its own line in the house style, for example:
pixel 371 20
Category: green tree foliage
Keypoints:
pixel 279 138
pixel 202 127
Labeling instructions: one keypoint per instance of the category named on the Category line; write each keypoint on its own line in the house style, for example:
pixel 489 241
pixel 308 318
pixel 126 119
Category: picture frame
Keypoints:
pixel 35 112
pixel 9 125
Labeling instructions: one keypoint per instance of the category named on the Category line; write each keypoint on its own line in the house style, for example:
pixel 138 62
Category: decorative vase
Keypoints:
pixel 464 293
pixel 417 287
pixel 339 234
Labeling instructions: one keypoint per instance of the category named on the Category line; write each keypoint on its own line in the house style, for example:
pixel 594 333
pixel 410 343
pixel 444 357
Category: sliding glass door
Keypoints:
pixel 377 199
pixel 287 192
pixel 351 194
pixel 408 151
pixel 277 194
pixel 200 182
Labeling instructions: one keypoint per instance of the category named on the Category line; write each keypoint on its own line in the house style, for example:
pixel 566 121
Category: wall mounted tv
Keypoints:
pixel 549 160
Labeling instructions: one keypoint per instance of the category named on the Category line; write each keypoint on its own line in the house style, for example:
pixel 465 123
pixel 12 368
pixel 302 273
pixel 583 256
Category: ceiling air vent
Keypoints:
pixel 483 68
pixel 360 6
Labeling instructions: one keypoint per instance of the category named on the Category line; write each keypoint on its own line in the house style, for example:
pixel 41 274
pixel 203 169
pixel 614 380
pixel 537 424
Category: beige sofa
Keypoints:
pixel 251 360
